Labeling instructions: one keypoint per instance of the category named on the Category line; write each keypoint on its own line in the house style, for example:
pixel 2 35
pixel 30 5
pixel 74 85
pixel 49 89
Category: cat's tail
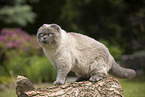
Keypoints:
pixel 122 72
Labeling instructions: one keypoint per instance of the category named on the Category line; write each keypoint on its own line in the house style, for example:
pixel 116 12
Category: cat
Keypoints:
pixel 85 56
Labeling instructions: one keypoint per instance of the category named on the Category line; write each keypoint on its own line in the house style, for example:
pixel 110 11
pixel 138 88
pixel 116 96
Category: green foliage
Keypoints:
pixel 70 14
pixel 5 79
pixel 20 13
pixel 115 50
pixel 40 70
pixel 37 68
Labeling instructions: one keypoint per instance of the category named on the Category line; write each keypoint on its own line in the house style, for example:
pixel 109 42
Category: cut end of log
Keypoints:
pixel 20 78
pixel 23 84
pixel 107 87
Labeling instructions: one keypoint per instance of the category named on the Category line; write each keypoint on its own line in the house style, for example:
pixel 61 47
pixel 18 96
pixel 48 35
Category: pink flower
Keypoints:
pixel 2 38
pixel 10 44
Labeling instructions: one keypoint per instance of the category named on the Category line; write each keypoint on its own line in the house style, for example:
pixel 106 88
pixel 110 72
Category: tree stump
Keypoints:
pixel 107 87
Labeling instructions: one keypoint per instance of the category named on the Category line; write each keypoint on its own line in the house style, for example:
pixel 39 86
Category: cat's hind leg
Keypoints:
pixel 99 70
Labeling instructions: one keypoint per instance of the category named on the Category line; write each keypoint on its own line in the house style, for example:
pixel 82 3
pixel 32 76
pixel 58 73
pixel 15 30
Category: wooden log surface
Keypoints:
pixel 107 87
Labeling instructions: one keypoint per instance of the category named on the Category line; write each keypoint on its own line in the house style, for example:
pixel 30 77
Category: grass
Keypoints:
pixel 8 93
pixel 131 88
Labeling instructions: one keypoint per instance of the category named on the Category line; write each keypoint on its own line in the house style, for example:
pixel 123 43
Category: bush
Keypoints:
pixel 5 79
pixel 17 39
pixel 37 68
pixel 21 54
pixel 40 70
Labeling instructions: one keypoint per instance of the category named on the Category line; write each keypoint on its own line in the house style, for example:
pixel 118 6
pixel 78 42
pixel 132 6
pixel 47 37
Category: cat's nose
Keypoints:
pixel 44 38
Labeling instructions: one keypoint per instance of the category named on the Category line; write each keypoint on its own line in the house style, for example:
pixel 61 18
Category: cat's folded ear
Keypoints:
pixel 55 26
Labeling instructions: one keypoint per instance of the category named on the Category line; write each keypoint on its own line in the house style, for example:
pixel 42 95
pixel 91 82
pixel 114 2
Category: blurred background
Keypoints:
pixel 119 24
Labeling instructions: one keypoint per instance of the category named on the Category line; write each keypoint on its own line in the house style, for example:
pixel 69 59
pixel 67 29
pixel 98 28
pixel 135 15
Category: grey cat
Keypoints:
pixel 88 58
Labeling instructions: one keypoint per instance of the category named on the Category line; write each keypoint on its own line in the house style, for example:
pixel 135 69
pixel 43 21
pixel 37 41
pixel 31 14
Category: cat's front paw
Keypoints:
pixel 58 83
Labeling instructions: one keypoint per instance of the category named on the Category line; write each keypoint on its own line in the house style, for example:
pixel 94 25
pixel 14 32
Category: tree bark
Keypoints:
pixel 107 87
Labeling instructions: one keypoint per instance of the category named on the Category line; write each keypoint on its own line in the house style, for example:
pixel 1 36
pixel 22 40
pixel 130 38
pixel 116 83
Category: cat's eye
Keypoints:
pixel 41 35
pixel 50 34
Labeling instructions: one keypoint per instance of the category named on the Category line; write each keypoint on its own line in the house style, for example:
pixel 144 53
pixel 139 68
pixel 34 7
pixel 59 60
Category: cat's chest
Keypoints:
pixel 57 57
pixel 51 55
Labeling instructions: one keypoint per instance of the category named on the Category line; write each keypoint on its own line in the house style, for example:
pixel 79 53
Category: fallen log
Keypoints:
pixel 107 87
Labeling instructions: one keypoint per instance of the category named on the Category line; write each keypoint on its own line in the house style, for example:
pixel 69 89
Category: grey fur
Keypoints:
pixel 121 72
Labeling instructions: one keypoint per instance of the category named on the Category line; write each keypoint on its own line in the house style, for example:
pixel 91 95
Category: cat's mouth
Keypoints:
pixel 44 42
pixel 47 41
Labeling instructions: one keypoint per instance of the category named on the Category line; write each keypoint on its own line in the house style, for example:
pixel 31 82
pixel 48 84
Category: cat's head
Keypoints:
pixel 49 35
